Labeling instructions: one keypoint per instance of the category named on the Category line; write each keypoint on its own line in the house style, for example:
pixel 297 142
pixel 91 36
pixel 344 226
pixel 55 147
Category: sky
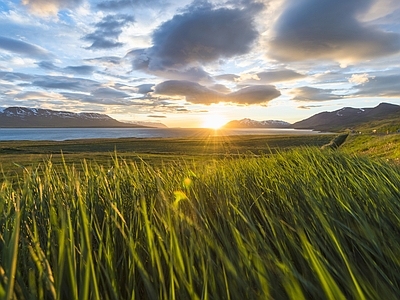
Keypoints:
pixel 199 63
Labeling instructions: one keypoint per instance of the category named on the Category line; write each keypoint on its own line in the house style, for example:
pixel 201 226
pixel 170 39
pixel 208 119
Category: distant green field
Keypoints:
pixel 154 151
pixel 198 220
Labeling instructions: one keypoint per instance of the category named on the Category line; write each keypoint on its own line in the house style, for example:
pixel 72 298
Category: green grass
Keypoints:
pixel 154 151
pixel 300 224
pixel 374 146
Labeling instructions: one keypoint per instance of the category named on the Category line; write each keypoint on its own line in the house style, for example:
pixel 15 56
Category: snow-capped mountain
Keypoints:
pixel 249 123
pixel 23 117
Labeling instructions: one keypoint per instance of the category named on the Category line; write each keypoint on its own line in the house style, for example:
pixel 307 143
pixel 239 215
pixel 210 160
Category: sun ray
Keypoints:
pixel 214 121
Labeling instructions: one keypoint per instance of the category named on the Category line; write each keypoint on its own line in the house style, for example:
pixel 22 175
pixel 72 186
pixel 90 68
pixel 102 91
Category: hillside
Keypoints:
pixel 385 116
pixel 22 117
pixel 248 123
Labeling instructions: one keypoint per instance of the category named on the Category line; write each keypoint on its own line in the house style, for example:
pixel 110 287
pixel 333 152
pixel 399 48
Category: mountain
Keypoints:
pixel 22 117
pixel 350 118
pixel 248 123
pixel 147 124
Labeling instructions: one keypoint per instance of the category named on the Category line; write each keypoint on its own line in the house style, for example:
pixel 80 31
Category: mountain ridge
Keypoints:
pixel 23 117
pixel 249 123
pixel 384 117
pixel 349 117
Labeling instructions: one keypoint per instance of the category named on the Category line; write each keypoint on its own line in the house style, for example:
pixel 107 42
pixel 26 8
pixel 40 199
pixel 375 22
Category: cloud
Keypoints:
pixel 268 77
pixel 255 94
pixel 360 78
pixel 108 31
pixel 64 83
pixel 220 88
pixel 309 29
pixel 105 60
pixel 61 83
pixel 308 106
pixel 109 93
pixel 145 88
pixel 35 95
pixel 227 77
pixel 198 94
pixel 24 48
pixel 80 70
pixel 189 73
pixel 123 4
pixel 156 116
pixel 379 86
pixel 307 93
pixel 200 35
pixel 50 7
pixel 103 100
pixel 114 5
pixel 9 77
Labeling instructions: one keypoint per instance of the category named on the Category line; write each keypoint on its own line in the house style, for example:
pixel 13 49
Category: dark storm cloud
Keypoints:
pixel 80 70
pixel 198 94
pixel 380 86
pixel 309 29
pixel 23 48
pixel 307 93
pixel 108 31
pixel 199 35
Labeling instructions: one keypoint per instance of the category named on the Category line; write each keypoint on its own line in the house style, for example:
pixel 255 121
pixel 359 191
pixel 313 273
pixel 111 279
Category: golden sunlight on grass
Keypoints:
pixel 214 121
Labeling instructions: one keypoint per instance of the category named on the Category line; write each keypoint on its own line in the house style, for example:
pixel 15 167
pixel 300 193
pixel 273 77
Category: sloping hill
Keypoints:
pixel 248 123
pixel 352 118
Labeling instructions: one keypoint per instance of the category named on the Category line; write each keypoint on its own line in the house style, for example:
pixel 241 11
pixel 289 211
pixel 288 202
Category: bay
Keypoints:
pixel 62 134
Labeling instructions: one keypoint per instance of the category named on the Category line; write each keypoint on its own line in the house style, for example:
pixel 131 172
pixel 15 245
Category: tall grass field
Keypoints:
pixel 302 224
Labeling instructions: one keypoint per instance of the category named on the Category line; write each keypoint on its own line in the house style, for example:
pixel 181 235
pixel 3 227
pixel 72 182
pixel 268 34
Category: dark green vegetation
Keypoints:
pixel 208 224
pixel 336 142
pixel 154 151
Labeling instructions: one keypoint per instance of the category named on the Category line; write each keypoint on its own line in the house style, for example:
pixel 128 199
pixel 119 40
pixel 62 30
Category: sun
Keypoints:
pixel 214 121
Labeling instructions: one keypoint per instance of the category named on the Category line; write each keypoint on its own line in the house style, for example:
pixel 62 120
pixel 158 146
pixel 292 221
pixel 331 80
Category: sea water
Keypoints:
pixel 61 134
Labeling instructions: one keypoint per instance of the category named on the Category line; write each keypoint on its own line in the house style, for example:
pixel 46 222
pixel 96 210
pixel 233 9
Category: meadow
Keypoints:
pixel 254 218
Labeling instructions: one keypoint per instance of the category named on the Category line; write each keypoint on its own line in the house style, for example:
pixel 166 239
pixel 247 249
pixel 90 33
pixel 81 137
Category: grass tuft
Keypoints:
pixel 301 224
